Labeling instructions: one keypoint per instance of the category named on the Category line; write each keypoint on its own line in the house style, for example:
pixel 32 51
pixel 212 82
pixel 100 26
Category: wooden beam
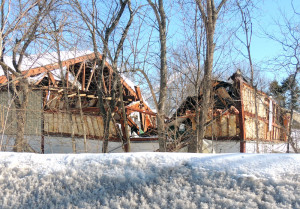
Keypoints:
pixel 39 81
pixel 67 76
pixel 140 110
pixel 54 66
pixel 91 76
pixel 131 91
pixel 52 79
pixel 77 75
pixel 83 78
pixel 138 93
pixel 131 123
pixel 104 85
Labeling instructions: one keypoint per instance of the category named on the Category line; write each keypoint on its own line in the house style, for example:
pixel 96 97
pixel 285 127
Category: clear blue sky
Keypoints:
pixel 270 11
pixel 263 49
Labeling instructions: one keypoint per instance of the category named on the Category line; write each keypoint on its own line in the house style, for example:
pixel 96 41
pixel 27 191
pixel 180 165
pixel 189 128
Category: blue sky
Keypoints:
pixel 263 50
pixel 270 11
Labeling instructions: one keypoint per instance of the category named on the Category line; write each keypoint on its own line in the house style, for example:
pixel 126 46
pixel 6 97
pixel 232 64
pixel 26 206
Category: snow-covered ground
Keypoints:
pixel 149 180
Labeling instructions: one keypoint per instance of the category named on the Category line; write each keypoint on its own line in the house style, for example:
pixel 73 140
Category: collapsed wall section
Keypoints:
pixel 272 119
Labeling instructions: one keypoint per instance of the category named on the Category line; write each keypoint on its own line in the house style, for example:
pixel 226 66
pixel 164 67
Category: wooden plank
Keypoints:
pixel 46 122
pixel 224 125
pixel 75 125
pixel 208 131
pixel 66 123
pixel 52 79
pixel 133 109
pixel 138 93
pixel 61 104
pixel 261 130
pixel 84 123
pixel 100 125
pixel 59 122
pixel 95 126
pixel 215 129
pixel 51 123
pixel 79 125
pixel 55 125
pixel 232 125
pixel 39 81
pixel 90 126
pixel 112 129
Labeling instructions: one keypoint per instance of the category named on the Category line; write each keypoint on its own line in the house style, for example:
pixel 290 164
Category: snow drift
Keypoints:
pixel 149 180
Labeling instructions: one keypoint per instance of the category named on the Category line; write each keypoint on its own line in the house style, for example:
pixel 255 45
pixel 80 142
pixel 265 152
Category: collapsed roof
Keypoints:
pixel 79 71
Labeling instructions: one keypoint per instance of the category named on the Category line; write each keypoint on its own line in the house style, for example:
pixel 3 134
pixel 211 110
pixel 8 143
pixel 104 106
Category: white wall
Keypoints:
pixel 64 145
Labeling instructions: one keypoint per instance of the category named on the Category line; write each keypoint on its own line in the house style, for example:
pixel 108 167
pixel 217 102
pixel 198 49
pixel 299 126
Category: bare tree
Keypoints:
pixel 160 15
pixel 187 60
pixel 20 28
pixel 289 38
pixel 209 15
pixel 246 25
pixel 104 28
pixel 57 24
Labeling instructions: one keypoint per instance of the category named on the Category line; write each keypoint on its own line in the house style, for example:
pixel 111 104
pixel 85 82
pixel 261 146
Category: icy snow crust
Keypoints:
pixel 149 180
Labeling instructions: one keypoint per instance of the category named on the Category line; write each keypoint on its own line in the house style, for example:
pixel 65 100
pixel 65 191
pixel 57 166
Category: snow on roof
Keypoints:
pixel 128 81
pixel 131 85
pixel 149 180
pixel 38 60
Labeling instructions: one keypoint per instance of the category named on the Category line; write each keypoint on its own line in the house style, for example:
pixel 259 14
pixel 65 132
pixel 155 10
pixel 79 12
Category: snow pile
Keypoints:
pixel 149 180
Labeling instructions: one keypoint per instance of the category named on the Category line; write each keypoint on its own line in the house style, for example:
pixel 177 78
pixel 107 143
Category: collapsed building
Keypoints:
pixel 231 123
pixel 230 126
pixel 50 114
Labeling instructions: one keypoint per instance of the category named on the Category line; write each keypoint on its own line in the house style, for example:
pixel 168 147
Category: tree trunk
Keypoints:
pixel 21 101
pixel 209 19
pixel 83 123
pixel 293 103
pixel 126 137
pixel 20 141
pixel 106 121
pixel 205 102
pixel 161 20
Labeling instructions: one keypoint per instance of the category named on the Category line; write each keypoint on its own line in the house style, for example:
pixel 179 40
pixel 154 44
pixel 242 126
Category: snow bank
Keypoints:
pixel 149 180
